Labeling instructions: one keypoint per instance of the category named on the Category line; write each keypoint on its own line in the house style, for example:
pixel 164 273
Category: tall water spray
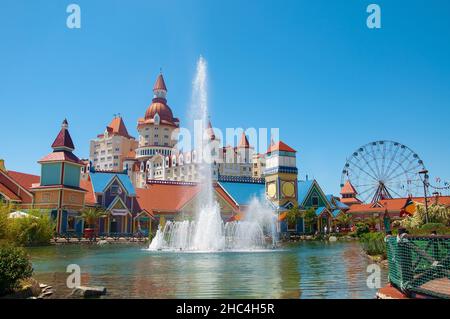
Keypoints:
pixel 208 231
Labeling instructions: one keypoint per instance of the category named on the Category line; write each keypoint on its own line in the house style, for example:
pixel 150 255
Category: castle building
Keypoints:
pixel 157 158
pixel 109 150
pixel 59 188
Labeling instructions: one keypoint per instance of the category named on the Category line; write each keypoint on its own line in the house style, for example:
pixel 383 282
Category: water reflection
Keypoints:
pixel 307 270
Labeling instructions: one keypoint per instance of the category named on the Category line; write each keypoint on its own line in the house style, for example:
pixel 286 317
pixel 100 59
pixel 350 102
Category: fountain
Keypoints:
pixel 208 232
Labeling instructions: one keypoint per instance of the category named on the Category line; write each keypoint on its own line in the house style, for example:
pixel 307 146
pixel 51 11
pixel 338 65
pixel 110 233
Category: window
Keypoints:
pixel 315 201
pixel 70 223
pixel 114 190
pixel 46 197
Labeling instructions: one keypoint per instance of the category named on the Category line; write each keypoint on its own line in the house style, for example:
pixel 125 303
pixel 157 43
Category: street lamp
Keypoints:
pixel 425 185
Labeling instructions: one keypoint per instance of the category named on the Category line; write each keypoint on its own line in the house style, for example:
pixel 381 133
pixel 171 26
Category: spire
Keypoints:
pixel 63 141
pixel 348 189
pixel 244 141
pixel 210 131
pixel 160 88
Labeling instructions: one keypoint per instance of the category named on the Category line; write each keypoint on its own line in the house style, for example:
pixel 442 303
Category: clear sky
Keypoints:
pixel 311 68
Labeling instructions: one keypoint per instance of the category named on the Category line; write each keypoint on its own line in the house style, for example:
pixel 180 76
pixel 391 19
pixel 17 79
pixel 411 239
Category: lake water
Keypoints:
pixel 305 270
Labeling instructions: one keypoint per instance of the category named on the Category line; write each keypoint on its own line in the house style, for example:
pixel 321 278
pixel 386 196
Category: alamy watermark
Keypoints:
pixel 374 18
pixel 374 279
pixel 74 279
pixel 74 19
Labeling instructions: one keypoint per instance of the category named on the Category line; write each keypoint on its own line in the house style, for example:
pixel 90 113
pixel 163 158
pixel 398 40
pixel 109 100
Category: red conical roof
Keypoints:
pixel 244 141
pixel 210 131
pixel 160 84
pixel 64 140
pixel 118 127
pixel 348 189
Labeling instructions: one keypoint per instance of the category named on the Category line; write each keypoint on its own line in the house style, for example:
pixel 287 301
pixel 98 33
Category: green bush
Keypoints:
pixel 361 229
pixel 373 244
pixel 30 231
pixel 14 266
pixel 427 229
pixel 3 224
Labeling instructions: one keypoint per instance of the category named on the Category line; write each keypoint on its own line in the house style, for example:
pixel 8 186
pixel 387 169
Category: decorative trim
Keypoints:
pixel 241 179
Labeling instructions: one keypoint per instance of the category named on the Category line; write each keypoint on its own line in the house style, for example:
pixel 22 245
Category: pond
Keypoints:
pixel 307 270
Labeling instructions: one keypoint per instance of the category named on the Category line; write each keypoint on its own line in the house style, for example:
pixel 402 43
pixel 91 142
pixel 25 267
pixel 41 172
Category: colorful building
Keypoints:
pixel 115 195
pixel 109 150
pixel 59 188
pixel 15 187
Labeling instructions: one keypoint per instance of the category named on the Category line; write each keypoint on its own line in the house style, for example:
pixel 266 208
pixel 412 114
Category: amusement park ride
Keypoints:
pixel 387 169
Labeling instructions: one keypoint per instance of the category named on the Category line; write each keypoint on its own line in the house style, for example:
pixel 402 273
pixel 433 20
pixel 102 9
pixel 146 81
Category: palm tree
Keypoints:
pixel 372 222
pixel 344 220
pixel 91 217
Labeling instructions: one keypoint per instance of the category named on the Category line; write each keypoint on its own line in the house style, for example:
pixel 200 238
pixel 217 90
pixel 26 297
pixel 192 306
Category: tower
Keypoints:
pixel 349 194
pixel 281 176
pixel 157 135
pixel 59 189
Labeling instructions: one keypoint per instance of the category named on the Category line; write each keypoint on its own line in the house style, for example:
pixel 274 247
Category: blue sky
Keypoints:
pixel 311 68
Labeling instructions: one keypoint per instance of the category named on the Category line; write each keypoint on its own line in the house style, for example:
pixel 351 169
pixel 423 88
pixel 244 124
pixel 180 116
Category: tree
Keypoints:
pixel 14 266
pixel 92 215
pixel 344 220
pixel 293 214
pixel 372 222
pixel 310 219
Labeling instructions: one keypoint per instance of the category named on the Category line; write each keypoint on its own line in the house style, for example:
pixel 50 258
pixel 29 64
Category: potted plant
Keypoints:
pixel 91 217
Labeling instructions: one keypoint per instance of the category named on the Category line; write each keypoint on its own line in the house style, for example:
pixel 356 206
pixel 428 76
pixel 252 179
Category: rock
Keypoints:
pixel 332 238
pixel 47 293
pixel 43 286
pixel 87 292
pixel 102 242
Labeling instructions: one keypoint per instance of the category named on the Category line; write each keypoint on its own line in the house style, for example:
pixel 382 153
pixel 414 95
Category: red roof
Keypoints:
pixel 159 106
pixel 117 127
pixel 350 201
pixel 210 131
pixel 396 204
pixel 160 84
pixel 170 198
pixel 89 197
pixel 9 193
pixel 63 140
pixel 244 141
pixel 280 146
pixel 24 180
pixel 166 198
pixel 348 189
pixel 63 156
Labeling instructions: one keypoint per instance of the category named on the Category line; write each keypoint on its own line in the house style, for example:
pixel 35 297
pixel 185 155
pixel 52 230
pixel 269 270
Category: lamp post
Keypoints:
pixel 425 185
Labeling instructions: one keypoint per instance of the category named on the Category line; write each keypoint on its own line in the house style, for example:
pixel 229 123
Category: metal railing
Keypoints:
pixel 420 264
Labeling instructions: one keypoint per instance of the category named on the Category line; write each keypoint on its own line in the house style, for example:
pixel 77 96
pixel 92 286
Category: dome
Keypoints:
pixel 162 109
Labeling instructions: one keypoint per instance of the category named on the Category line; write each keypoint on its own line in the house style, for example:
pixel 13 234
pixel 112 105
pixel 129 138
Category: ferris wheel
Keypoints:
pixel 384 169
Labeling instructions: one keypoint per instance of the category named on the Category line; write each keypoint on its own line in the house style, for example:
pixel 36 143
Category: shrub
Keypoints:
pixel 373 244
pixel 362 228
pixel 30 231
pixel 436 214
pixel 14 266
pixel 427 229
